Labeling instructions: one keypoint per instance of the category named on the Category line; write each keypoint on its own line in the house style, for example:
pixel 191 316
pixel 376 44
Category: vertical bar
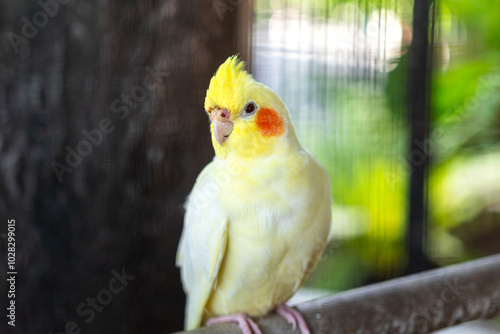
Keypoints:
pixel 418 100
pixel 244 34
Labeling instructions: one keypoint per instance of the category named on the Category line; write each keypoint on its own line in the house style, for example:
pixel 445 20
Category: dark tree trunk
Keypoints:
pixel 122 84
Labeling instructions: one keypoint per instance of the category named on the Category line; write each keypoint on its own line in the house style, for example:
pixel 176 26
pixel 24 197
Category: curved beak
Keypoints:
pixel 222 125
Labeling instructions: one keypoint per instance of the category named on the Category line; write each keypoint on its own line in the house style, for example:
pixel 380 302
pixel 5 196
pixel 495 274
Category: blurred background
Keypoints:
pixel 342 68
pixel 102 134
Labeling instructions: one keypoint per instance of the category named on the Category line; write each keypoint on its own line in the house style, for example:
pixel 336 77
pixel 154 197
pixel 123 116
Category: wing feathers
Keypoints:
pixel 201 249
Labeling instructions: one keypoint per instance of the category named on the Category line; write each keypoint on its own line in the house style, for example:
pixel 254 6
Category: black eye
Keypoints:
pixel 250 108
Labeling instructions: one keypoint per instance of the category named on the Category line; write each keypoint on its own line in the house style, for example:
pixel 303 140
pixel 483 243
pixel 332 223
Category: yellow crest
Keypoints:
pixel 228 86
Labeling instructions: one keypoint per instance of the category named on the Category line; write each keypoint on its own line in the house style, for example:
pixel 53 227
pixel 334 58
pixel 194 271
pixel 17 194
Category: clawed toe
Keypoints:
pixel 247 325
pixel 293 317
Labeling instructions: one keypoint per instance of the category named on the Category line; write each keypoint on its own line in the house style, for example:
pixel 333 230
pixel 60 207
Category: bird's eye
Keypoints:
pixel 250 109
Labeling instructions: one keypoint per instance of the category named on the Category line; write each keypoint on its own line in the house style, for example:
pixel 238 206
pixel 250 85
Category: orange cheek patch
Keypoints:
pixel 270 122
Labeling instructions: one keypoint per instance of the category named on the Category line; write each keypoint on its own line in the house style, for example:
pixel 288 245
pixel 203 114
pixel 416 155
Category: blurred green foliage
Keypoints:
pixel 464 186
pixel 369 186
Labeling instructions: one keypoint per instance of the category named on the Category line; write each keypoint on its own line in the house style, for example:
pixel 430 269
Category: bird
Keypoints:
pixel 258 217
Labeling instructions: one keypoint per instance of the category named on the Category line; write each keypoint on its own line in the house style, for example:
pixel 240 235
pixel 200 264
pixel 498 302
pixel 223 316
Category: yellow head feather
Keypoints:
pixel 232 88
pixel 228 86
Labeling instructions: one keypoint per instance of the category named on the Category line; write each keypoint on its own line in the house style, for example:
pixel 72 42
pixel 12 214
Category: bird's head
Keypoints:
pixel 247 118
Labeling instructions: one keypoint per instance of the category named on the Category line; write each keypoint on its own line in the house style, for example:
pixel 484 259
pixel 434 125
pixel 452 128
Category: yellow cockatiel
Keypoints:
pixel 258 217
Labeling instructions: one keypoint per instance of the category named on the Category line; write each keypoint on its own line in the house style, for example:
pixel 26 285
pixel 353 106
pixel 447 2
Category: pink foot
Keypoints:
pixel 293 317
pixel 247 325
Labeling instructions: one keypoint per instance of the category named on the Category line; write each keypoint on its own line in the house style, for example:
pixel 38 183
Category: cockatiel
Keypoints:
pixel 258 217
